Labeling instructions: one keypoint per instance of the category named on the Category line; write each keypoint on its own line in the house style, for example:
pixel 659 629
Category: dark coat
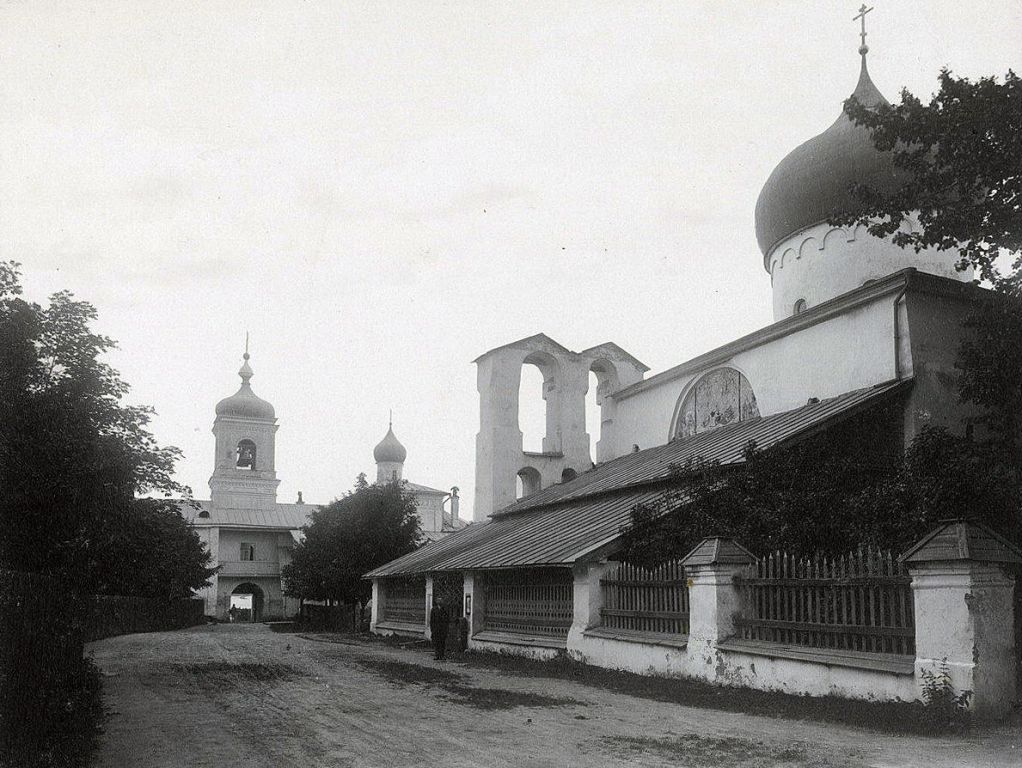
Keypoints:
pixel 439 618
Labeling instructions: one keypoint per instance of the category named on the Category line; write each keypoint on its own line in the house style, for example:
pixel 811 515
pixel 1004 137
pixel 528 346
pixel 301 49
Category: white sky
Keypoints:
pixel 380 192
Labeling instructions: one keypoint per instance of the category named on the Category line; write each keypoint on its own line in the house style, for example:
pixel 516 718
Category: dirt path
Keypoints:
pixel 245 696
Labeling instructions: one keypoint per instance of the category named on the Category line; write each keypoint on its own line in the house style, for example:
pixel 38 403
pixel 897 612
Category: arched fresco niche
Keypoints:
pixel 719 398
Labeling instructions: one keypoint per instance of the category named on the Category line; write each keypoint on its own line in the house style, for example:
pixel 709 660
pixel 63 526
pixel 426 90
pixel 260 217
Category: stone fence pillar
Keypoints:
pixel 588 599
pixel 964 612
pixel 713 596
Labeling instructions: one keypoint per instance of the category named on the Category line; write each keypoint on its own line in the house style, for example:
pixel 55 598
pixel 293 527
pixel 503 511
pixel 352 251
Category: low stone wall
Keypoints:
pixel 962 609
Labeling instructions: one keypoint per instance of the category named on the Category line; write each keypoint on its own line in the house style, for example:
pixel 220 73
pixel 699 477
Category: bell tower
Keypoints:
pixel 243 475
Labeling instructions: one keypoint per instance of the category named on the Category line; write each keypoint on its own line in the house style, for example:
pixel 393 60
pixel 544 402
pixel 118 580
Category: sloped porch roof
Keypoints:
pixel 564 523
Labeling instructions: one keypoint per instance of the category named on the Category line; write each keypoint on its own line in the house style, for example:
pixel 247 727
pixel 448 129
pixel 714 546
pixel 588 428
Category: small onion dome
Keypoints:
pixel 390 449
pixel 245 403
pixel 814 180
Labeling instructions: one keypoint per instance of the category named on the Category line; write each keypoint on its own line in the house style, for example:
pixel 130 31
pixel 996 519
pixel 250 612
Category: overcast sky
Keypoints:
pixel 382 191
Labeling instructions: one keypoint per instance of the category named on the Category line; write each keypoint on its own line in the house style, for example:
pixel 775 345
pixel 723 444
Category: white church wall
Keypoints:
pixel 430 508
pixel 823 261
pixel 847 351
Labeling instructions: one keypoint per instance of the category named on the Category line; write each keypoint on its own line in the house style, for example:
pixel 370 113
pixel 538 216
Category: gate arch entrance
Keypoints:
pixel 246 603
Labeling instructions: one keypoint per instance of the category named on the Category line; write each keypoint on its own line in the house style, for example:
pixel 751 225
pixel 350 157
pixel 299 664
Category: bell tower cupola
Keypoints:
pixel 244 476
pixel 390 457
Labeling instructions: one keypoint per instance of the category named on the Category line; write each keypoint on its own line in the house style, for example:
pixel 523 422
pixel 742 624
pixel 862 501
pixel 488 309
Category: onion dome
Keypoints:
pixel 244 403
pixel 390 449
pixel 814 181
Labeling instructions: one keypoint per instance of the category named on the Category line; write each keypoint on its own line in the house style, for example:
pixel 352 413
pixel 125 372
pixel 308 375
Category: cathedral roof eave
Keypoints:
pixel 908 279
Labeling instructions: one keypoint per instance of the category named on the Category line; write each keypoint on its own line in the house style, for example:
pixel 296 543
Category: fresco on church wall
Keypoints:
pixel 720 397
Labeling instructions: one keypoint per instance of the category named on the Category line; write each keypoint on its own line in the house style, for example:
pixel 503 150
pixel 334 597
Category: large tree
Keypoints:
pixel 73 456
pixel 369 526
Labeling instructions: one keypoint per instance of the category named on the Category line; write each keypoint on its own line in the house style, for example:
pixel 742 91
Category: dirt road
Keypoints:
pixel 240 695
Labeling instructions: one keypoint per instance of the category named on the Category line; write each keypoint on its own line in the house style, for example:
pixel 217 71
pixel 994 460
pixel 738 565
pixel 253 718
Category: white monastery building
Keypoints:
pixel 862 347
pixel 250 534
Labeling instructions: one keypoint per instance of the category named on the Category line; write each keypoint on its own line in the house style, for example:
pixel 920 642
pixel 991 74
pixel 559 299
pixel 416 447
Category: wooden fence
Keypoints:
pixel 858 602
pixel 537 601
pixel 111 615
pixel 637 600
pixel 404 601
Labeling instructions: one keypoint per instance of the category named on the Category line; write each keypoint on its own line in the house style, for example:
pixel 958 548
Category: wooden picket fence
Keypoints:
pixel 404 601
pixel 648 601
pixel 536 601
pixel 861 601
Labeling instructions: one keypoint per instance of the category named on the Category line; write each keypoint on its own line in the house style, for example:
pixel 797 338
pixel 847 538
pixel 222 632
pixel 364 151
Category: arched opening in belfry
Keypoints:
pixel 246 454
pixel 528 482
pixel 246 603
pixel 537 386
pixel 594 419
pixel 603 380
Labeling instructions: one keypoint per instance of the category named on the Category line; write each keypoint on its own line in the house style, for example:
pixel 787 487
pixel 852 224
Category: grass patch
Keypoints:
pixel 889 717
pixel 721 752
pixel 454 686
pixel 233 674
pixel 500 698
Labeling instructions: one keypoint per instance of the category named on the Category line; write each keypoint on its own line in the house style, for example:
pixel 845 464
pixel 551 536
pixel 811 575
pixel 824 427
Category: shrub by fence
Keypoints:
pixel 536 601
pixel 110 615
pixel 637 600
pixel 858 602
pixel 47 693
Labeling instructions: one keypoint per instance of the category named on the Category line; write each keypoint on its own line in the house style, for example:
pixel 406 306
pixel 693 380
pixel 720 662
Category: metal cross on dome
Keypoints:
pixel 863 49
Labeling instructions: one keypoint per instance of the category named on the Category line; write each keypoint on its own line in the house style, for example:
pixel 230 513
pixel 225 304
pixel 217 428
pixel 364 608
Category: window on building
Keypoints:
pixel 800 307
pixel 247 551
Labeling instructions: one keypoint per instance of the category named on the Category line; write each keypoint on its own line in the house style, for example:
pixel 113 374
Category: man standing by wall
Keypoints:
pixel 439 620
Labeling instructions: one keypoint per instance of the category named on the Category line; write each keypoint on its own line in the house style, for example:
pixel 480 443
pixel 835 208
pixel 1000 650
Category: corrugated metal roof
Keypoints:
pixel 725 444
pixel 416 488
pixel 562 524
pixel 283 516
pixel 557 535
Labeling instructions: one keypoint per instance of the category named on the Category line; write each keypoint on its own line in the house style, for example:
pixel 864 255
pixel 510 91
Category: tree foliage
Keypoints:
pixel 73 455
pixel 827 496
pixel 371 525
pixel 961 155
pixel 154 552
